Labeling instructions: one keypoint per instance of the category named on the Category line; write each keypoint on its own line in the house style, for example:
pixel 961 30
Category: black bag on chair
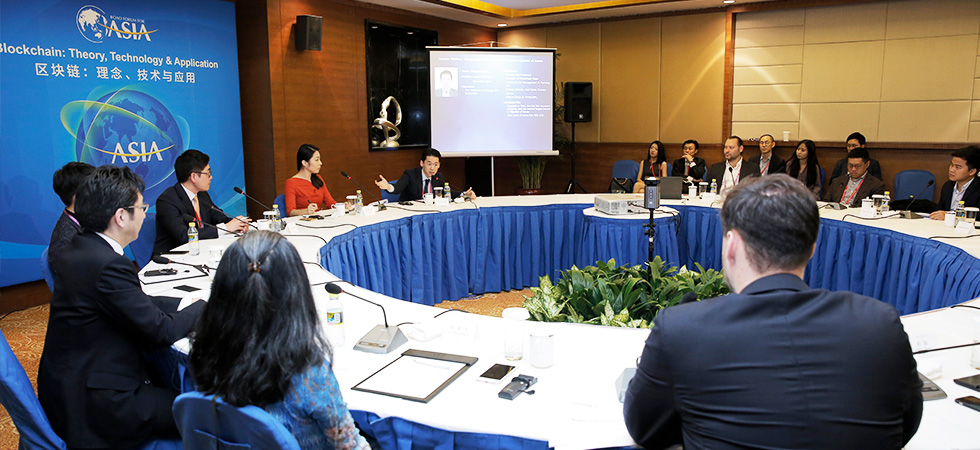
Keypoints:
pixel 620 185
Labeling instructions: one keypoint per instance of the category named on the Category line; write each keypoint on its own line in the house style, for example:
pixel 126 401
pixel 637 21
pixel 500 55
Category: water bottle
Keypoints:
pixel 714 186
pixel 960 211
pixel 193 240
pixel 359 206
pixel 276 218
pixel 334 327
pixel 447 193
pixel 885 207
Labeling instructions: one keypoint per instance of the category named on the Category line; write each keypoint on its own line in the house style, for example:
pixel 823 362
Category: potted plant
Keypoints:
pixel 532 167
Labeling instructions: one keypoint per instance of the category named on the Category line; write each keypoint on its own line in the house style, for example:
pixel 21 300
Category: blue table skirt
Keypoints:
pixel 502 248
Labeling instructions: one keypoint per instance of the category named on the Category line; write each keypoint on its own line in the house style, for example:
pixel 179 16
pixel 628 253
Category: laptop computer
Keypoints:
pixel 671 188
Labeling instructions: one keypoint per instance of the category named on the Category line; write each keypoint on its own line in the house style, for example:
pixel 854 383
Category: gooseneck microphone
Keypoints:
pixel 381 339
pixel 907 212
pixel 232 217
pixel 240 191
pixel 164 260
pixel 381 206
pixel 189 218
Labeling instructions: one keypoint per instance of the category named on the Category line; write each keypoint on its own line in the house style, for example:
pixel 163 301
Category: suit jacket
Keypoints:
pixel 870 186
pixel 840 168
pixel 970 198
pixel 64 231
pixel 776 164
pixel 172 205
pixel 410 185
pixel 720 170
pixel 696 172
pixel 778 365
pixel 93 381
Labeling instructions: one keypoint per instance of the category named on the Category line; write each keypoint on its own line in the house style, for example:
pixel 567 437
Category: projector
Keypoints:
pixel 615 204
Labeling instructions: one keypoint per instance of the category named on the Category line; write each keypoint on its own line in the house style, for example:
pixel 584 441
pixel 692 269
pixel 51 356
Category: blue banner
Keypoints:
pixel 111 82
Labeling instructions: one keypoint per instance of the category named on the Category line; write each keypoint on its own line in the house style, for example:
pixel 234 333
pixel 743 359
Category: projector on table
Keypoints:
pixel 619 203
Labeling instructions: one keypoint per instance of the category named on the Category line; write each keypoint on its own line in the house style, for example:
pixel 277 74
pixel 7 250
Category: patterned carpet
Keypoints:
pixel 25 331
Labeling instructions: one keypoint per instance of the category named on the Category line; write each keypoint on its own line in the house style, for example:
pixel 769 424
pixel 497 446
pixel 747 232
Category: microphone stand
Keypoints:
pixel 232 218
pixel 381 339
pixel 240 191
pixel 381 206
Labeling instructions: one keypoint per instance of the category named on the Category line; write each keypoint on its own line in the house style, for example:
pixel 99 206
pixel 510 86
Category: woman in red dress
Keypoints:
pixel 305 192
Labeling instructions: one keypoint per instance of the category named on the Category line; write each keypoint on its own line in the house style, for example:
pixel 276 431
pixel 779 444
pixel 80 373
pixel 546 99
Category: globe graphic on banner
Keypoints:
pixel 127 128
pixel 90 21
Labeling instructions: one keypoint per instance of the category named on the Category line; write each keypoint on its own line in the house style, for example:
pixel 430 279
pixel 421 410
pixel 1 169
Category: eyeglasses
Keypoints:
pixel 855 166
pixel 853 146
pixel 209 173
pixel 143 206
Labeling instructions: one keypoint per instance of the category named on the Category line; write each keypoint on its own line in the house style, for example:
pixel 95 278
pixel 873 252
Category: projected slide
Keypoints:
pixel 492 101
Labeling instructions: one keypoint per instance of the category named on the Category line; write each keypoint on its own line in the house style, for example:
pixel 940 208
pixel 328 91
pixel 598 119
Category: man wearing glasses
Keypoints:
pixel 95 382
pixel 189 199
pixel 768 162
pixel 853 141
pixel 857 184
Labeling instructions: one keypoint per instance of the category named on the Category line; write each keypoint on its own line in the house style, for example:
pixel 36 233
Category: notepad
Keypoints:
pixel 416 375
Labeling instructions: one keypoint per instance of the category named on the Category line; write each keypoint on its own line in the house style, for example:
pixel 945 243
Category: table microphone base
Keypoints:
pixel 381 339
pixel 910 215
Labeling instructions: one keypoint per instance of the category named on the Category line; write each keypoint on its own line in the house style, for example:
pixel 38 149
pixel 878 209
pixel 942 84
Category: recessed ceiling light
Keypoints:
pixel 728 2
pixel 501 24
pixel 411 32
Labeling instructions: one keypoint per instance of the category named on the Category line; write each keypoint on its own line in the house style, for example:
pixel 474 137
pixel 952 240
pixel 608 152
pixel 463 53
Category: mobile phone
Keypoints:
pixel 972 382
pixel 495 374
pixel 186 288
pixel 160 272
pixel 970 402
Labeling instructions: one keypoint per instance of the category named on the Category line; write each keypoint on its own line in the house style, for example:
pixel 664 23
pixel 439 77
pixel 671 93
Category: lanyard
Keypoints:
pixel 766 169
pixel 849 199
pixel 657 173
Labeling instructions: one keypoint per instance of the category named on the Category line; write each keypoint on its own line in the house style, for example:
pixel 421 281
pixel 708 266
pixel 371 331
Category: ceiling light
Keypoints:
pixel 728 2
pixel 501 24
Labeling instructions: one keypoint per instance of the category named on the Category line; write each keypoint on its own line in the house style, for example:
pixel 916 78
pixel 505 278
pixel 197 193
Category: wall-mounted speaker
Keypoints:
pixel 309 32
pixel 578 101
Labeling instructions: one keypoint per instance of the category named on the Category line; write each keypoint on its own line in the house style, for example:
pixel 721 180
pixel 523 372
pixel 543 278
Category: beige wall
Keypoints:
pixel 898 71
pixel 653 78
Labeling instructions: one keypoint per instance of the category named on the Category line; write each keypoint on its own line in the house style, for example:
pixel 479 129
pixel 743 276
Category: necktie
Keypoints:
pixel 197 208
pixel 425 186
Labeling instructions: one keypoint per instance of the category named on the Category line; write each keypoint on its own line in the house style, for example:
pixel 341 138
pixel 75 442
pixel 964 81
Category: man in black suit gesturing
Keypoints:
pixel 734 168
pixel 420 180
pixel 775 364
pixel 96 387
pixel 189 198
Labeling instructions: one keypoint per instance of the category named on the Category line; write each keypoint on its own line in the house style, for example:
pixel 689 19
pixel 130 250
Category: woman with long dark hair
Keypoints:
pixel 655 165
pixel 305 192
pixel 804 166
pixel 258 342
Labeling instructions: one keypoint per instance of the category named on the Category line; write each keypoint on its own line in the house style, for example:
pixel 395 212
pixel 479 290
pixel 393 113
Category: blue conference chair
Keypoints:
pixel 910 182
pixel 46 270
pixel 626 168
pixel 17 396
pixel 392 198
pixel 208 423
pixel 670 169
pixel 280 203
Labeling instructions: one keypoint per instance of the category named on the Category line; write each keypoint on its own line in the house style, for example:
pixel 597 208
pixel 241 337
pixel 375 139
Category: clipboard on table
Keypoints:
pixel 416 375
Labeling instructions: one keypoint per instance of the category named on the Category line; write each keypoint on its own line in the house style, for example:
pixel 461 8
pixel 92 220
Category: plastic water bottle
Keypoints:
pixel 359 206
pixel 885 207
pixel 447 193
pixel 714 186
pixel 193 240
pixel 960 211
pixel 334 327
pixel 276 218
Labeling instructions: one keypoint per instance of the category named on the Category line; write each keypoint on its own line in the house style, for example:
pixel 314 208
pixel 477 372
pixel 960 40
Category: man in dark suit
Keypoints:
pixel 189 198
pixel 767 162
pixel 853 141
pixel 65 182
pixel 775 364
pixel 420 180
pixel 734 168
pixel 689 165
pixel 96 387
pixel 962 184
pixel 857 184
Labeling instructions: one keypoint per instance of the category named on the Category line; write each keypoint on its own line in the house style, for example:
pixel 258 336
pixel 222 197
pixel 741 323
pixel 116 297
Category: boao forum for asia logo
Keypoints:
pixel 130 127
pixel 96 26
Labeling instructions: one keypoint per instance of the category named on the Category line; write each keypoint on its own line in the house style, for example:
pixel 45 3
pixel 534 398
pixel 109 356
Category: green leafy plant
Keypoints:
pixel 622 296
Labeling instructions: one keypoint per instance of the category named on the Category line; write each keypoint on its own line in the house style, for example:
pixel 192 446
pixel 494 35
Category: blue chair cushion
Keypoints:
pixel 389 196
pixel 205 421
pixel 17 397
pixel 280 203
